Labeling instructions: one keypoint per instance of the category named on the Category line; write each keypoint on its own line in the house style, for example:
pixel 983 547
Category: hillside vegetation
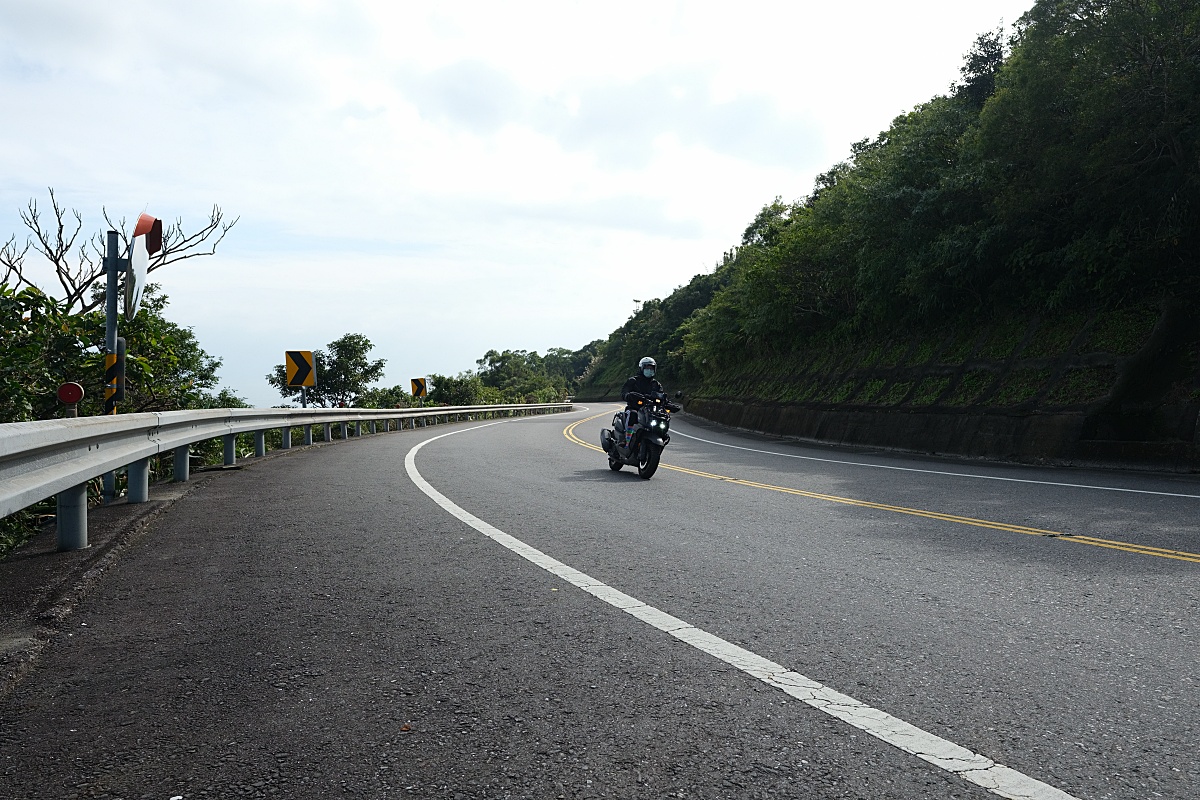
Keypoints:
pixel 1013 243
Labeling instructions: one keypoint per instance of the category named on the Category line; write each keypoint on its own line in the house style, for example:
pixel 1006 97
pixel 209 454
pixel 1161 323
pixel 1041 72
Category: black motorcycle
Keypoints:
pixel 641 443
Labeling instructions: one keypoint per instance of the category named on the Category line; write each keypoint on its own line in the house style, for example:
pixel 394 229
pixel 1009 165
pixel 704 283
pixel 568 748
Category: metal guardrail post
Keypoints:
pixel 230 449
pixel 345 430
pixel 286 433
pixel 358 428
pixel 108 487
pixel 183 463
pixel 329 431
pixel 260 444
pixel 307 434
pixel 71 519
pixel 373 428
pixel 139 481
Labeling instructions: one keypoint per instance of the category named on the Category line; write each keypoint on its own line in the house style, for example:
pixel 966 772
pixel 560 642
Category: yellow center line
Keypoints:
pixel 1128 547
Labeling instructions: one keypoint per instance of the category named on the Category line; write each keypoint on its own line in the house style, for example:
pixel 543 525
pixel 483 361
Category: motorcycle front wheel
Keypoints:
pixel 615 464
pixel 648 459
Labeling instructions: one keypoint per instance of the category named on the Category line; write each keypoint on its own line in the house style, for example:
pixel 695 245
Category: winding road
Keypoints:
pixel 485 610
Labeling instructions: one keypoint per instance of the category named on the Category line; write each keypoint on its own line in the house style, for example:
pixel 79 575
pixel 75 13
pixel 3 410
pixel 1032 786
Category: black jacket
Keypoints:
pixel 641 384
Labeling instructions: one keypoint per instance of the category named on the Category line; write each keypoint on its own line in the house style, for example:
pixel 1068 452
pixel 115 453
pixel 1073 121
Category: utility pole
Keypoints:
pixel 114 383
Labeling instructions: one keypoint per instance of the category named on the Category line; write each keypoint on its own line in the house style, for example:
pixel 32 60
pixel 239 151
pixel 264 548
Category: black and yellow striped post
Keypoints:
pixel 110 383
pixel 114 377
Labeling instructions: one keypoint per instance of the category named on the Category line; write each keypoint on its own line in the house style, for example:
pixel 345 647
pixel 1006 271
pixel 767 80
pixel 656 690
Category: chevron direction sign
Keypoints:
pixel 299 365
pixel 418 386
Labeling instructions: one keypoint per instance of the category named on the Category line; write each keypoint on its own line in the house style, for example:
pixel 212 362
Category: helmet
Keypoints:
pixel 647 366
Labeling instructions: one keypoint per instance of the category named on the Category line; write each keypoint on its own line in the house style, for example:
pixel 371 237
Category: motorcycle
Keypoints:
pixel 641 442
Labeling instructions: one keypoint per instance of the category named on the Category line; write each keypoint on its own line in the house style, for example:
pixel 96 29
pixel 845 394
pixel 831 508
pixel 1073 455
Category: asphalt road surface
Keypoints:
pixel 485 610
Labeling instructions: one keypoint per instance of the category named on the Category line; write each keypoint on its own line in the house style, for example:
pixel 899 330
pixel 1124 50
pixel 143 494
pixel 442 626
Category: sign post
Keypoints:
pixel 113 266
pixel 147 240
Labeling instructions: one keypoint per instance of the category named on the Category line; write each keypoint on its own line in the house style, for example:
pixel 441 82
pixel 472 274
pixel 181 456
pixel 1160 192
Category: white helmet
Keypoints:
pixel 647 366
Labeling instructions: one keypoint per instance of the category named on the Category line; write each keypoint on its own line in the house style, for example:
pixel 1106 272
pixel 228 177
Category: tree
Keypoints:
pixel 464 389
pixel 44 345
pixel 520 376
pixel 387 397
pixel 48 339
pixel 78 264
pixel 980 67
pixel 343 372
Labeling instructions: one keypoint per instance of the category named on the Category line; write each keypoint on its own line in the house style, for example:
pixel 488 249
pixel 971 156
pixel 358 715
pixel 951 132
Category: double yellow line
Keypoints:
pixel 1128 547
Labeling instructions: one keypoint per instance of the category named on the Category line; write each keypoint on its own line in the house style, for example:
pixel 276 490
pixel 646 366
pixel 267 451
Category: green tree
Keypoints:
pixel 387 397
pixel 44 345
pixel 521 376
pixel 344 372
pixel 464 389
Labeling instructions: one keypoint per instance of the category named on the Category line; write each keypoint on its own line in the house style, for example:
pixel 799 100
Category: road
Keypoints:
pixel 486 610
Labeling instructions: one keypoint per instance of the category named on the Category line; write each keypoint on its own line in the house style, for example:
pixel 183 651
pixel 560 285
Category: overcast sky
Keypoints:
pixel 448 178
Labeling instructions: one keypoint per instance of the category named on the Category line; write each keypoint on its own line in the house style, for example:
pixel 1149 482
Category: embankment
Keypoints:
pixel 1120 388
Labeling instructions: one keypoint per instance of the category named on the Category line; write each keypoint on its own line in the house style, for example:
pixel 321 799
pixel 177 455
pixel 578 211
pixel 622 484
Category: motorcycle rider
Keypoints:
pixel 641 383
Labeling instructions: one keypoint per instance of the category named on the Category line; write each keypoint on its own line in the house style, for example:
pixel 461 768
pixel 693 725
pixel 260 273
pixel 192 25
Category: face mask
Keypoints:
pixel 649 373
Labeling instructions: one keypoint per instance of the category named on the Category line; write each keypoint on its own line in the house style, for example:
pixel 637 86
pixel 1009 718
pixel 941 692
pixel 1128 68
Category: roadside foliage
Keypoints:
pixel 1056 186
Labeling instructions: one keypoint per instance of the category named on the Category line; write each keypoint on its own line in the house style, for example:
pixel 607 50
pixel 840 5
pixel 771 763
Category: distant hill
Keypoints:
pixel 1022 248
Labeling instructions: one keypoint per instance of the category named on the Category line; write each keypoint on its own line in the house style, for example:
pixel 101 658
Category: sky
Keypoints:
pixel 448 178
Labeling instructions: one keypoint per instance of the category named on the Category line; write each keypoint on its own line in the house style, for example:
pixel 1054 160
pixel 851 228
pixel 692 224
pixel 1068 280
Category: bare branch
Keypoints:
pixel 178 246
pixel 56 241
pixel 119 227
pixel 79 265
pixel 12 259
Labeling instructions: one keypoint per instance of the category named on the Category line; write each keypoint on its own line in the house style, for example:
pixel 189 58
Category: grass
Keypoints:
pixel 1003 340
pixel 897 392
pixel 1122 332
pixel 960 348
pixel 842 392
pixel 1020 386
pixel 921 353
pixel 891 355
pixel 971 386
pixel 1053 340
pixel 870 390
pixel 16 529
pixel 929 390
pixel 1082 385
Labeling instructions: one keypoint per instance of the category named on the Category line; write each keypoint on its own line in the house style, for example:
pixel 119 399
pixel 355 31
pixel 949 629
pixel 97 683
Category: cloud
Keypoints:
pixel 621 123
pixel 469 94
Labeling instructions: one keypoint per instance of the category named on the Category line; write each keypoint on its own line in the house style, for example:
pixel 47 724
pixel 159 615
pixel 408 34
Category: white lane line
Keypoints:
pixel 934 471
pixel 979 770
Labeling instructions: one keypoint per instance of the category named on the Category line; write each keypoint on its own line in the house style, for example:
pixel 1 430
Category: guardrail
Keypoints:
pixel 60 456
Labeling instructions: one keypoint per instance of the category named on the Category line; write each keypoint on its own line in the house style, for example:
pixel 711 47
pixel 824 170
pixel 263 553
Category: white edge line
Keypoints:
pixel 934 471
pixel 977 769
